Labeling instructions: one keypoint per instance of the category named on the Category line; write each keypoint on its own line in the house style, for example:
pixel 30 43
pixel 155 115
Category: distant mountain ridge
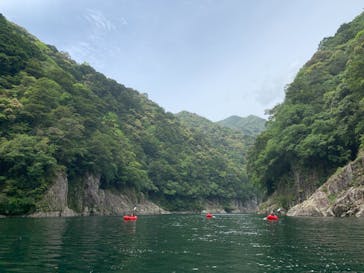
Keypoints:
pixel 250 125
pixel 233 143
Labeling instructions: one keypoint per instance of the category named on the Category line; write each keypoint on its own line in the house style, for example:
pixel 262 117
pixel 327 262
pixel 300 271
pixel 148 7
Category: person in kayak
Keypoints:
pixel 272 216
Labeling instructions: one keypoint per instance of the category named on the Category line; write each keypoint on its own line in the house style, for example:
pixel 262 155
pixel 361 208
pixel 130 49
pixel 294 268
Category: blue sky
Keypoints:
pixel 216 58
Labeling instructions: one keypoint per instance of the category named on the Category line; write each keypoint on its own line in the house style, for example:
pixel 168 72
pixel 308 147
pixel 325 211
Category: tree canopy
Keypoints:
pixel 57 115
pixel 319 126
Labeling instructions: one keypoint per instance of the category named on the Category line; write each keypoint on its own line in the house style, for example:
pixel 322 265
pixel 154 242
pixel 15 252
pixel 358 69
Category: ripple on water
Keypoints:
pixel 180 243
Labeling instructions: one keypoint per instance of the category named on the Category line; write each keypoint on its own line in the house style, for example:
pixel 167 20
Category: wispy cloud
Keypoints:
pixel 82 51
pixel 98 20
pixel 96 43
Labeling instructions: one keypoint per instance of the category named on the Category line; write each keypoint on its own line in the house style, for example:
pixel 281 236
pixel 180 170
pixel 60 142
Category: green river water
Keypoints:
pixel 182 243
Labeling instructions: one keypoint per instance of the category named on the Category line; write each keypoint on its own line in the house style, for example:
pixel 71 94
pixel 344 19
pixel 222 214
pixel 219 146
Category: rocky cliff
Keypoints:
pixel 86 198
pixel 90 199
pixel 235 206
pixel 341 195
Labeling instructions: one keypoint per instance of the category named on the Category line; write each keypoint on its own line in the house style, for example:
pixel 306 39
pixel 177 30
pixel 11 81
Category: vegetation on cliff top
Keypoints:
pixel 57 115
pixel 320 124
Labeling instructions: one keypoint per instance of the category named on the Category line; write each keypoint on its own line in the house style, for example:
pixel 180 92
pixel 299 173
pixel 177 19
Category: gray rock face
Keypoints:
pixel 341 195
pixel 97 201
pixel 350 203
pixel 249 206
pixel 235 206
pixel 54 202
pixel 92 200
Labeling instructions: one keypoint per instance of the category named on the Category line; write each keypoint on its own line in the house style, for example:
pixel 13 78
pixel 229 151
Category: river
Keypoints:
pixel 181 243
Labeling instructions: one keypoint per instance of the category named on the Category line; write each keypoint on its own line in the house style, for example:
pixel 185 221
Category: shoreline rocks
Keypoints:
pixel 86 198
pixel 90 200
pixel 341 195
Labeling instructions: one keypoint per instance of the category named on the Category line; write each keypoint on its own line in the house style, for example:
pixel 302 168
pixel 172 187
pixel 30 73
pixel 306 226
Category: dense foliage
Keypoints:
pixel 250 125
pixel 231 145
pixel 320 124
pixel 57 115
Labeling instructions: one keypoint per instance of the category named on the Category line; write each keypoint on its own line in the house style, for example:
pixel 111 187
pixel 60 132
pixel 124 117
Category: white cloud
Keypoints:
pixel 93 46
pixel 99 21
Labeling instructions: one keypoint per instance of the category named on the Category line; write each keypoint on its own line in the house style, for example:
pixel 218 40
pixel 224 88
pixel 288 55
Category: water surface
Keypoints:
pixel 181 243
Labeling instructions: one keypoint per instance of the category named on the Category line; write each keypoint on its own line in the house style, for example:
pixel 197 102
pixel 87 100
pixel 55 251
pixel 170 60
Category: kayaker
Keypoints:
pixel 271 216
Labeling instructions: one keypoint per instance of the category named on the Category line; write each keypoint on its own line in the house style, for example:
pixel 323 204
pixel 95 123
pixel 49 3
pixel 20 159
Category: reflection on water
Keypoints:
pixel 181 243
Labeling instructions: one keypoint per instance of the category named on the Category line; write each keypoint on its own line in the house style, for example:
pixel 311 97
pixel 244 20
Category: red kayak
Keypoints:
pixel 130 217
pixel 209 215
pixel 272 217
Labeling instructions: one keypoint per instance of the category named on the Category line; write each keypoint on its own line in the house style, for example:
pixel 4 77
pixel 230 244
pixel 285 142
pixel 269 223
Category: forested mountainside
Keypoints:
pixel 320 125
pixel 250 125
pixel 60 116
pixel 233 144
